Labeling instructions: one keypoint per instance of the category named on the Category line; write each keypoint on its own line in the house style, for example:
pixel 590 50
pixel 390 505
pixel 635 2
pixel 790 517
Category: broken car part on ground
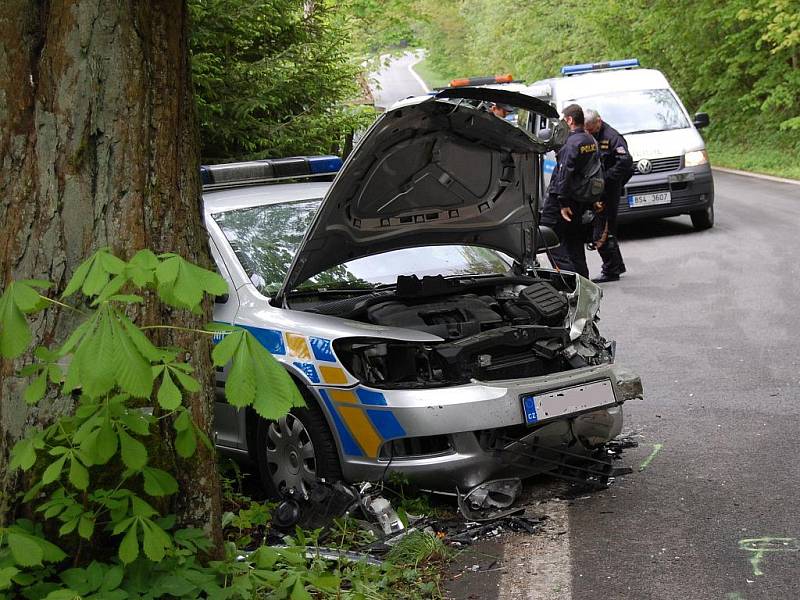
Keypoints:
pixel 406 301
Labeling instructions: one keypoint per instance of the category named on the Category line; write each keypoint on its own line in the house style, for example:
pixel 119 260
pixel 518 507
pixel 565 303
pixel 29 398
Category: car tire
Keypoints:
pixel 296 450
pixel 703 219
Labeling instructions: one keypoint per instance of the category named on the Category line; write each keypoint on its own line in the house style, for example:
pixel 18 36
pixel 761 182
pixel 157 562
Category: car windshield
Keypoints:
pixel 639 111
pixel 266 238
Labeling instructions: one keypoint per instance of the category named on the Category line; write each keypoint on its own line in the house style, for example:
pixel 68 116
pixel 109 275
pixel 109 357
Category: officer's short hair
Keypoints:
pixel 576 112
pixel 590 115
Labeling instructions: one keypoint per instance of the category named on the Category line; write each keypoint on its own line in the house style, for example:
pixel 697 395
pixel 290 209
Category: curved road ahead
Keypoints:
pixel 711 321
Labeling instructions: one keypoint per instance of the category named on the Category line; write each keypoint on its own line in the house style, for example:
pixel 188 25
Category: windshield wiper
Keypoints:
pixel 643 131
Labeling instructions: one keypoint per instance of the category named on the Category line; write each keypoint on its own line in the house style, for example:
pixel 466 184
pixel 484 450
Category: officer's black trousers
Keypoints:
pixel 612 258
pixel 570 255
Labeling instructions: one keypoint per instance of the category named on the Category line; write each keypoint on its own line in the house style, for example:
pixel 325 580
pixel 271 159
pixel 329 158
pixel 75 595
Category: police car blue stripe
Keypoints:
pixel 349 445
pixel 271 339
pixel 386 423
pixel 370 397
pixel 309 370
pixel 549 166
pixel 322 349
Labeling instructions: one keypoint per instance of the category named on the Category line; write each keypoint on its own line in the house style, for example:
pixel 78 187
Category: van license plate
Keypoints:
pixel 636 200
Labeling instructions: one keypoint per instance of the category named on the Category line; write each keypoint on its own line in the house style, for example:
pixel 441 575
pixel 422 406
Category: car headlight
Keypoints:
pixel 696 158
pixel 391 363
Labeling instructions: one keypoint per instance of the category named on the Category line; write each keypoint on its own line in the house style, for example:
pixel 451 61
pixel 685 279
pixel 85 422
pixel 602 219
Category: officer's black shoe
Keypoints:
pixel 605 278
pixel 622 269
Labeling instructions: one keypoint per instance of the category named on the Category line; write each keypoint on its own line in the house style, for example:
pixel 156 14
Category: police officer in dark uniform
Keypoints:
pixel 617 169
pixel 561 210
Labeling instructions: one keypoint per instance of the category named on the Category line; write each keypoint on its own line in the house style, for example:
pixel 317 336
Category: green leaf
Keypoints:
pixel 63 595
pixel 78 277
pixel 140 508
pixel 141 268
pixel 186 442
pixel 134 454
pixel 25 549
pixel 223 351
pixel 299 591
pixel 35 391
pixel 15 335
pixel 133 372
pixel 78 474
pixel 111 289
pixel 189 383
pixel 183 421
pixel 169 396
pixel 52 472
pixel 86 527
pixel 23 454
pixel 105 443
pixel 155 542
pixel 112 578
pixel 129 547
pixel 6 575
pixel 182 284
pixel 158 482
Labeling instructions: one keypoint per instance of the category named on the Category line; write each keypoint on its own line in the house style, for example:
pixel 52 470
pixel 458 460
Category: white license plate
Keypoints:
pixel 558 403
pixel 636 200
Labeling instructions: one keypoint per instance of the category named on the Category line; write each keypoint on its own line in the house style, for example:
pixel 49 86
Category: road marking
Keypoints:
pixel 419 57
pixel 756 175
pixel 649 459
pixel 758 546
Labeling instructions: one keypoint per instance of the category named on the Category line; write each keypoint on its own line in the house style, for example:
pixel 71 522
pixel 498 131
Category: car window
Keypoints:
pixel 266 238
pixel 638 111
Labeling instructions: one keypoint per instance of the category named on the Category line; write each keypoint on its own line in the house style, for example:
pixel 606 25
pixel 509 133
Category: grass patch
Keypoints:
pixel 759 157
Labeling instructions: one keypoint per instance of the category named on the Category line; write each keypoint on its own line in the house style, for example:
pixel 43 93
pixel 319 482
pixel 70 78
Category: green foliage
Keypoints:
pixel 738 60
pixel 98 489
pixel 273 78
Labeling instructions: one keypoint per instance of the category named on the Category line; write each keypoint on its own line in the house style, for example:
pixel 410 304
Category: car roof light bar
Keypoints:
pixel 627 63
pixel 268 170
pixel 463 81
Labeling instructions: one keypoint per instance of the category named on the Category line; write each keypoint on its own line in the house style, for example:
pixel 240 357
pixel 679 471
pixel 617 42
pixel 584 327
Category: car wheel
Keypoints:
pixel 295 451
pixel 703 219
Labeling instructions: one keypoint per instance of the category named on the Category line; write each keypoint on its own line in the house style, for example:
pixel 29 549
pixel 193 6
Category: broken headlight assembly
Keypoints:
pixel 392 363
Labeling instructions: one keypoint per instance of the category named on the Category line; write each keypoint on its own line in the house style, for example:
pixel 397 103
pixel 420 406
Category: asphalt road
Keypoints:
pixel 396 81
pixel 710 321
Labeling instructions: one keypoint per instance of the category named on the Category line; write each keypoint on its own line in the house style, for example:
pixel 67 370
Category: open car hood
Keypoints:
pixel 431 171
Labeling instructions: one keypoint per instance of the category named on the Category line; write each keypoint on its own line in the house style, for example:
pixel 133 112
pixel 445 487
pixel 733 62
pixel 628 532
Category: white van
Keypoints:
pixel 673 175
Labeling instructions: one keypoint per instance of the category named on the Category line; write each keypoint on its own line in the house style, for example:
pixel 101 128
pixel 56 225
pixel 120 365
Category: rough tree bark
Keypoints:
pixel 99 147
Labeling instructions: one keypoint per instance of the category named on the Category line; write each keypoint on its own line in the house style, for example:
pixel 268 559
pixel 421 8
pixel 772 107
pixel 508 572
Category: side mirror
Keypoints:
pixel 547 239
pixel 701 120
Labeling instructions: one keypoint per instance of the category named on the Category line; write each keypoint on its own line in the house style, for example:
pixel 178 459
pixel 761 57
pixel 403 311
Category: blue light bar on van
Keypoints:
pixel 272 169
pixel 627 63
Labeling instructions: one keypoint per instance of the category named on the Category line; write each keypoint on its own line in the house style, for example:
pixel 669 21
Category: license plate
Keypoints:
pixel 636 200
pixel 559 403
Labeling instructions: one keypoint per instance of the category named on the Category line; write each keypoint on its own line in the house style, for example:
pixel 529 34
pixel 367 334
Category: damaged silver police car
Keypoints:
pixel 406 301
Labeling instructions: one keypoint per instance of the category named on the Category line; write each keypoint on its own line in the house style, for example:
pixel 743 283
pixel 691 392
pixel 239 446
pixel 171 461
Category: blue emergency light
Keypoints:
pixel 272 169
pixel 627 63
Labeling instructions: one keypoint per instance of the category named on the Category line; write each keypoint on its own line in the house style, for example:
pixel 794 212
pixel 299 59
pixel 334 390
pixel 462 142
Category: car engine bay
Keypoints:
pixel 493 328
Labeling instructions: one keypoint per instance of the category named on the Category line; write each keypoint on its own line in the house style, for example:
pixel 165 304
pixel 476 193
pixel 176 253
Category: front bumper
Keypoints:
pixel 691 189
pixel 485 431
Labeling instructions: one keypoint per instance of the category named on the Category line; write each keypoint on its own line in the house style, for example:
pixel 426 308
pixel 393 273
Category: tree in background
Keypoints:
pixel 98 142
pixel 273 78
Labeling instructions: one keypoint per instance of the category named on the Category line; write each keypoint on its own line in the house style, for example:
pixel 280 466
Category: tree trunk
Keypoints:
pixel 99 147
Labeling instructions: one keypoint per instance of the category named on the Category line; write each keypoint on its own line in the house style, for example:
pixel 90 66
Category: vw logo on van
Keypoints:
pixel 644 166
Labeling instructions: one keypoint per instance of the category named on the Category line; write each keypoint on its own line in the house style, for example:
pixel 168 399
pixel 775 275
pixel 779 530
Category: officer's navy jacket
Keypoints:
pixel 614 155
pixel 573 156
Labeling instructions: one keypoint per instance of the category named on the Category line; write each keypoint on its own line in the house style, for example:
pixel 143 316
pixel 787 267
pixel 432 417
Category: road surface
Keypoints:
pixel 397 80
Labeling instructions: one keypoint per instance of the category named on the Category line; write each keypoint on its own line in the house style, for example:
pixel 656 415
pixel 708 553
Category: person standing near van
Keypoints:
pixel 562 211
pixel 617 170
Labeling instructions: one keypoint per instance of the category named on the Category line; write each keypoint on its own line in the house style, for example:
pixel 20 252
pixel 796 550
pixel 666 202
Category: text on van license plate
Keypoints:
pixel 635 200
